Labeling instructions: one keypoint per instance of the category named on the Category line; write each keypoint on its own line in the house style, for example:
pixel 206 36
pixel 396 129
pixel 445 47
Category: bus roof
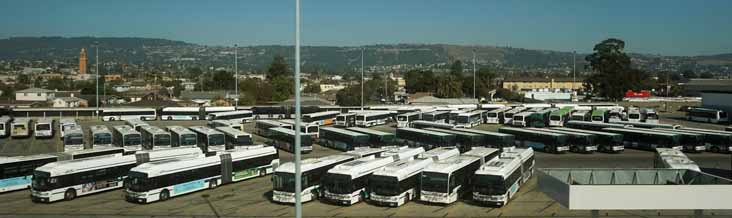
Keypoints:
pixel 13 159
pixel 204 130
pixel 469 134
pixel 314 163
pixel 640 131
pixel 701 109
pixel 182 109
pixel 587 123
pixel 531 131
pixel 587 131
pixel 433 124
pixel 404 168
pixel 219 109
pixel 361 167
pixel 483 132
pixel 437 112
pixel 368 131
pixel 599 112
pixel 292 122
pixel 343 131
pixel 451 164
pixel 581 134
pixel 44 120
pixel 664 130
pixel 153 130
pixel 99 129
pixel 284 130
pixel 562 111
pixel 125 129
pixel 676 159
pixel 322 113
pixel 400 153
pixel 159 168
pixel 5 119
pixel 423 131
pixel 498 110
pixel 721 132
pixel 415 113
pixel 227 113
pixel 179 130
pixel 231 131
pixel 525 113
pixel 472 113
pixel 647 125
pixel 502 166
pixel 126 109
pixel 272 122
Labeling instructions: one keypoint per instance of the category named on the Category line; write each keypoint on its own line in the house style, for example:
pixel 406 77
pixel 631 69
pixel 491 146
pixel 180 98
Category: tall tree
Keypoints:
pixel 613 74
pixel 278 68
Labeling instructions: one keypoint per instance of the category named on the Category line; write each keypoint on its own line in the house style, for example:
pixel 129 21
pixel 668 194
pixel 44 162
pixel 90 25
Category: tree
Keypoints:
pixel 282 88
pixel 349 96
pixel 278 68
pixel 456 68
pixel 194 72
pixel 448 87
pixel 706 75
pixel 689 74
pixel 312 88
pixel 613 73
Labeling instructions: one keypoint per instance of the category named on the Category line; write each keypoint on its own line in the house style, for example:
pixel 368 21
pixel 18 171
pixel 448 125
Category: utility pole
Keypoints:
pixel 298 173
pixel 474 96
pixel 236 75
pixel 573 94
pixel 362 78
pixel 96 45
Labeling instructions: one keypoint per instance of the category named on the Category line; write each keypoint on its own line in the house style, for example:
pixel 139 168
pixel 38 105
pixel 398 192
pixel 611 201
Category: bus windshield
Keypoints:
pixel 313 129
pixel 243 140
pixel 42 181
pixel 489 184
pixel 384 185
pixel 722 115
pixel 74 140
pixel 188 139
pixel 338 184
pixel 555 118
pixel 216 139
pixel 132 139
pixel 492 115
pixel 402 118
pixel 162 139
pixel 43 127
pixel 462 119
pixel 518 118
pixel 634 116
pixel 135 181
pixel 652 116
pixel 284 182
pixel 103 138
pixel 434 182
pixel 341 118
pixel 597 118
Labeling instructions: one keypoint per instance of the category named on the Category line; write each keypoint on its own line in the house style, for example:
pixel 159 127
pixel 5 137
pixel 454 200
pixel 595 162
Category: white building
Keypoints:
pixel 35 94
pixel 329 87
pixel 69 102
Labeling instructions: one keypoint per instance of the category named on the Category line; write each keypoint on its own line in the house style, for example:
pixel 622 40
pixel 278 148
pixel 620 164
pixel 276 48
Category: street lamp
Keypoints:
pixel 96 45
pixel 298 173
pixel 236 75
pixel 474 96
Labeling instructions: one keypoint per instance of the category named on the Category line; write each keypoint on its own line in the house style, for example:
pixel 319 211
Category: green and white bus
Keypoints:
pixel 707 115
pixel 690 142
pixel 648 125
pixel 600 115
pixel 421 124
pixel 544 141
pixel 376 138
pixel 262 127
pixel 606 142
pixel 581 116
pixel 647 140
pixel 341 139
pixel 560 117
pixel 492 139
pixel 424 138
pixel 578 142
pixel 463 140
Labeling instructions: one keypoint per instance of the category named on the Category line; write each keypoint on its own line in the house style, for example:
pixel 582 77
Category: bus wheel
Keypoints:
pixel 315 194
pixel 170 118
pixel 574 149
pixel 164 195
pixel 111 119
pixel 195 118
pixel 715 149
pixel 212 184
pixel 70 194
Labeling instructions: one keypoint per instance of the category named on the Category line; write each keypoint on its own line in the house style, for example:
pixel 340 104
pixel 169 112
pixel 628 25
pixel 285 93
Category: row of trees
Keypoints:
pixel 452 85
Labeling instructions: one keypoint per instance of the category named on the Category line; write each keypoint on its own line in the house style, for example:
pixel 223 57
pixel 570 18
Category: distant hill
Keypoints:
pixel 61 47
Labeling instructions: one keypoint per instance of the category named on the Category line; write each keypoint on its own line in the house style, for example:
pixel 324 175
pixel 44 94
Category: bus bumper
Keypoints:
pixel 390 201
pixel 489 199
pixel 340 199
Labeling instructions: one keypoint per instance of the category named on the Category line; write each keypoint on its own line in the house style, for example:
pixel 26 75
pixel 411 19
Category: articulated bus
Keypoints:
pixel 500 179
pixel 648 125
pixel 5 126
pixel 581 116
pixel 65 124
pixel 209 110
pixel 16 172
pixel 648 140
pixel 262 127
pixel 74 139
pixel 310 129
pixel 100 136
pixel 369 119
pixel 560 117
pixel 346 120
pixel 376 138
pixel 313 170
pixel 112 114
pixel 226 123
pixel 404 119
pixel 66 180
pixel 285 139
pixel 341 139
pixel 420 124
pixel 235 137
pixel 690 142
pixel 154 137
pixel 436 116
pixel 492 139
pixel 159 181
pixel 470 119
pixel 447 180
pixel 136 124
pixel 240 116
pixel 209 139
pixel 182 137
pixel 43 128
pixel 715 141
pixel 321 118
pixel 424 138
pixel 606 142
pixel 600 115
pixel 586 125
pixel 539 118
pixel 21 128
pixel 544 141
pixel 126 137
pixel 670 158
pixel 508 115
pixel 707 115
pixel 495 116
pixel 463 140
pixel 578 142
pixel 180 113
pixel 398 183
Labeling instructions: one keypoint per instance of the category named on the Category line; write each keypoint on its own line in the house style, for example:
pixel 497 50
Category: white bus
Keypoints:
pixel 74 139
pixel 313 170
pixel 673 159
pixel 210 110
pixel 635 115
pixel 209 139
pixel 500 179
pixel 240 116
pixel 180 113
pixel 321 118
pixel 21 128
pixel 508 115
pixel 470 119
pixel 126 137
pixel 581 116
pixel 649 115
pixel 101 136
pixel 285 139
pixel 43 128
pixel 495 116
pixel 16 172
pixel 436 116
pixel 404 119
pixel 66 180
pixel 112 114
pixel 369 119
pixel 707 115
pixel 235 138
pixel 310 129
pixel 398 182
pixel 226 123
pixel 5 126
pixel 154 137
pixel 182 137
pixel 262 127
pixel 65 124
pixel 445 181
pixel 136 124
pixel 159 181
pixel 346 120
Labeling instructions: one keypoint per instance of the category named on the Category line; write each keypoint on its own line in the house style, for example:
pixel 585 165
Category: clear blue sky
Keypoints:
pixel 668 27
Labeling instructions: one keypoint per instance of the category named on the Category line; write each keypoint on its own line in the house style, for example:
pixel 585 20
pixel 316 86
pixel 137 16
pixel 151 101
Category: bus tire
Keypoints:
pixel 111 119
pixel 195 118
pixel 262 172
pixel 164 195
pixel 170 118
pixel 714 149
pixel 70 194
pixel 315 194
pixel 212 184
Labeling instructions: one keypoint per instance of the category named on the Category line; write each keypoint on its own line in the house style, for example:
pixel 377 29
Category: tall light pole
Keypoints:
pixel 298 174
pixel 362 79
pixel 96 45
pixel 236 74
pixel 474 96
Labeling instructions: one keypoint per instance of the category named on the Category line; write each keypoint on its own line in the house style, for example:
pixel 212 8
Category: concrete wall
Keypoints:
pixel 650 197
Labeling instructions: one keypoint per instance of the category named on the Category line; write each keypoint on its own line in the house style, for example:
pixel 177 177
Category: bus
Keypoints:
pixel 519 119
pixel 420 124
pixel 376 138
pixel 670 158
pixel 452 116
pixel 159 181
pixel 321 118
pixel 66 123
pixel 560 117
pixel 182 137
pixel 508 115
pixel 209 139
pixel 649 115
pixel 495 116
pixel 235 138
pixel 112 114
pixel 370 119
pixel 424 138
pixel 310 129
pixel 492 139
pixel 100 136
pixel 154 137
pixel 346 120
pixel 312 169
pixel 463 140
pixel 647 140
pixel 66 180
pixel 226 123
pixel 43 128
pixel 404 119
pixel 74 139
pixel 16 172
pixel 600 115
pixel 262 127
pixel 648 125
pixel 436 116
pixel 581 116
pixel 445 181
pixel 635 115
pixel 706 115
pixel 126 137
pixel 715 141
pixel 500 179
pixel 209 110
pixel 586 125
pixel 180 113
pixel 690 142
pixel 240 116
pixel 285 139
pixel 544 141
pixel 470 119
pixel 136 124
pixel 398 183
pixel 606 142
pixel 539 118
pixel 578 142
pixel 21 127
pixel 5 126
pixel 341 139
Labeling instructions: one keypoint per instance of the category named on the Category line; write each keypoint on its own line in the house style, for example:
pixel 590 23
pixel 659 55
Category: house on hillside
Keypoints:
pixel 68 102
pixel 35 94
